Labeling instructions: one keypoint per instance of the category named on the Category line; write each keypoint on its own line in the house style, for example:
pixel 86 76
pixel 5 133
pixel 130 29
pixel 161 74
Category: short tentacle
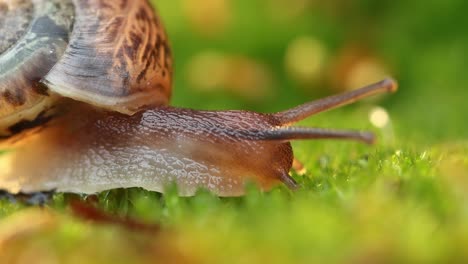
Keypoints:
pixel 295 133
pixel 289 181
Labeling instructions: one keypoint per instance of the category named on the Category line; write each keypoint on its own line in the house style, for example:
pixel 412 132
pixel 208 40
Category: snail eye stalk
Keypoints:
pixel 301 112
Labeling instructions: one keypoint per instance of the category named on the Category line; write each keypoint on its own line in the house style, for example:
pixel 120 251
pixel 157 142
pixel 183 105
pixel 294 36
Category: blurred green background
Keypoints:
pixel 335 45
pixel 403 200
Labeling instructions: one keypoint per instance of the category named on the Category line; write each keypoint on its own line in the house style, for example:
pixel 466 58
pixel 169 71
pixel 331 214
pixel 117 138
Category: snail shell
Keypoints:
pixel 110 54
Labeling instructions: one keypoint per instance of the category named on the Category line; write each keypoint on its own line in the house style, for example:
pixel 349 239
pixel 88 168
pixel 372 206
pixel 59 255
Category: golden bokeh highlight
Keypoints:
pixel 238 75
pixel 356 67
pixel 207 71
pixel 364 72
pixel 379 117
pixel 208 17
pixel 305 59
pixel 285 10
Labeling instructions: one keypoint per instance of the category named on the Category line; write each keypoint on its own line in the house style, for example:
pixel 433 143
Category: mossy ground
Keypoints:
pixel 403 200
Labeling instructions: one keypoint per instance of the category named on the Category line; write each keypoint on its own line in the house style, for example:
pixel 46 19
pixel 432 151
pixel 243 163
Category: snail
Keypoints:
pixel 84 93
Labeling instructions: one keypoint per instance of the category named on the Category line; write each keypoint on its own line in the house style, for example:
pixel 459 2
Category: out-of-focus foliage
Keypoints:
pixel 403 200
pixel 340 44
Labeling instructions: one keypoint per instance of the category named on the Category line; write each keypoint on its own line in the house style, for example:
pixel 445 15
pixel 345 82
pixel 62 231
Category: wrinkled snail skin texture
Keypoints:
pixel 87 150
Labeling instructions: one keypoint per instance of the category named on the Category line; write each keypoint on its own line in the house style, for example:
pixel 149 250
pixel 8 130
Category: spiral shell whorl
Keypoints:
pixel 109 54
pixel 118 57
pixel 28 53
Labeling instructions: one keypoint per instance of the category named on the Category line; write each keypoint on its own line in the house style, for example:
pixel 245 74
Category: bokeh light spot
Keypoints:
pixel 305 59
pixel 379 117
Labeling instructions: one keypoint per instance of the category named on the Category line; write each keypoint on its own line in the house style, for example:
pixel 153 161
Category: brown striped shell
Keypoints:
pixel 110 54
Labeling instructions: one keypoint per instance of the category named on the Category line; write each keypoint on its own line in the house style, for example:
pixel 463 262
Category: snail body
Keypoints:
pixel 96 118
